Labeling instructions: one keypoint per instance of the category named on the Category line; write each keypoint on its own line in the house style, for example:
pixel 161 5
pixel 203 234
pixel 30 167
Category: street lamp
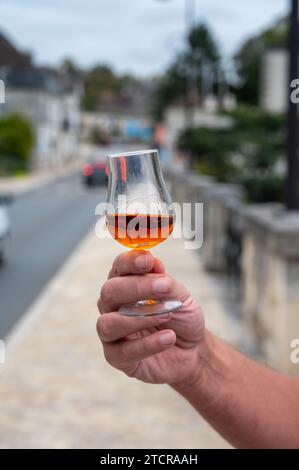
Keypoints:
pixel 292 200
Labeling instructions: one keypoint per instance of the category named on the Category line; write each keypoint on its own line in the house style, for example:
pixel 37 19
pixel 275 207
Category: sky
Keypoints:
pixel 139 36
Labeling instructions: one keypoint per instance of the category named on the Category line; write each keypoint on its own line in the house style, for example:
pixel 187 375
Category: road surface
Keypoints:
pixel 47 225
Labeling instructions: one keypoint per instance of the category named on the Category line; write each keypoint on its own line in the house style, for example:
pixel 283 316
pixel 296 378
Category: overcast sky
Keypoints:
pixel 139 36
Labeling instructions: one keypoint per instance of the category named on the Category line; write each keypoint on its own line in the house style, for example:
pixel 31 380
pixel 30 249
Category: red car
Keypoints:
pixel 95 172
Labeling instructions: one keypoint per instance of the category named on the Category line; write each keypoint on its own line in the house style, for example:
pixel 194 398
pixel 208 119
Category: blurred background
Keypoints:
pixel 206 82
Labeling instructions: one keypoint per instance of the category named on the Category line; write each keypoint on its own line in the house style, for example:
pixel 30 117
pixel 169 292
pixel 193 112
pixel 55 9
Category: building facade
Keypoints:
pixel 274 80
pixel 49 99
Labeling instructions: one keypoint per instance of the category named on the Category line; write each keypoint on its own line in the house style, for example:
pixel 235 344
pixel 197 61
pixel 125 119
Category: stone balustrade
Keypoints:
pixel 260 244
pixel 271 282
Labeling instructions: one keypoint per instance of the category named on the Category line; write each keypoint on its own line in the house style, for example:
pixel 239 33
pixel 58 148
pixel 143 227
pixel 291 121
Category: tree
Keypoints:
pixel 16 143
pixel 99 79
pixel 171 87
pixel 70 67
pixel 200 52
pixel 249 152
pixel 203 49
pixel 101 82
pixel 102 77
pixel 248 61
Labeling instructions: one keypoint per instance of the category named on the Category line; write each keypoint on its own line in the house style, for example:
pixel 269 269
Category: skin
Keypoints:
pixel 249 404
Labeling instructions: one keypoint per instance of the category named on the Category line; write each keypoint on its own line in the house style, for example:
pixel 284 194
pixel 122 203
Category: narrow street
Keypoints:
pixel 47 225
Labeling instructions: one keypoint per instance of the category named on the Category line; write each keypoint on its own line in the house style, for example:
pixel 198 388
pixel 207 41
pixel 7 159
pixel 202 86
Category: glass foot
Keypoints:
pixel 145 308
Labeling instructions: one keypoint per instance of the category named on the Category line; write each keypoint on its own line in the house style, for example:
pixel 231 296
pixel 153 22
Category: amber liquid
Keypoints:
pixel 140 230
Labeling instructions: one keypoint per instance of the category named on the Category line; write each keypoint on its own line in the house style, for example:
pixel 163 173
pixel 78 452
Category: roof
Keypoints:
pixel 19 72
pixel 33 79
pixel 11 57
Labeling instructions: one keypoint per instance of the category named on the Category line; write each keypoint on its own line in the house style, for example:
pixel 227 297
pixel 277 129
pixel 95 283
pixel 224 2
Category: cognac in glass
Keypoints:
pixel 140 213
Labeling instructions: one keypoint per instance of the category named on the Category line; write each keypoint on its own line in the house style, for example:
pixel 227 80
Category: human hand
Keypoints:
pixel 169 348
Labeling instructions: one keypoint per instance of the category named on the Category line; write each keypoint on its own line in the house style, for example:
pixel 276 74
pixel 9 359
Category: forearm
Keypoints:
pixel 249 404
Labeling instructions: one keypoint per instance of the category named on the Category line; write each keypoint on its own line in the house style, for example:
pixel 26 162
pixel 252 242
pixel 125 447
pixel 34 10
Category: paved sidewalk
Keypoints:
pixel 56 391
pixel 17 185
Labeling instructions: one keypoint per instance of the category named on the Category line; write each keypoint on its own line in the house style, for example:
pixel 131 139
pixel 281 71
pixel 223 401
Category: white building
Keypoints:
pixel 49 99
pixel 175 121
pixel 56 118
pixel 274 80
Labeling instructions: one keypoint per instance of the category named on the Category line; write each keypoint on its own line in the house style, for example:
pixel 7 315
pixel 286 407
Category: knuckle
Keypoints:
pixel 144 346
pixel 108 356
pixel 139 289
pixel 112 273
pixel 99 305
pixel 116 264
pixel 173 284
pixel 121 263
pixel 111 355
pixel 106 292
pixel 143 286
pixel 122 351
pixel 104 327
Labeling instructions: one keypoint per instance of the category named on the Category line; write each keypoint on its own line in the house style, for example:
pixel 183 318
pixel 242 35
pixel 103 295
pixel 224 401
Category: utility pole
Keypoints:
pixel 191 85
pixel 292 199
pixel 191 82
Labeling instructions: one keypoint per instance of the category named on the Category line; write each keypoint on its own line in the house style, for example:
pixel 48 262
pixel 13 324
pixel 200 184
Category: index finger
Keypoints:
pixel 136 262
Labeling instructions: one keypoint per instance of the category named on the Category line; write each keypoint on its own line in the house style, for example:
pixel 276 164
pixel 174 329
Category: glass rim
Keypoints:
pixel 131 153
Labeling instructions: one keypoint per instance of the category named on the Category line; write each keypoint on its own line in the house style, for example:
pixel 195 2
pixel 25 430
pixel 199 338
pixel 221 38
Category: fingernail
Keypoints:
pixel 166 339
pixel 161 285
pixel 141 261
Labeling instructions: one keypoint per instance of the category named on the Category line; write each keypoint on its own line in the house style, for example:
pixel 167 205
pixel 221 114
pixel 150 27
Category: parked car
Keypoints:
pixel 5 228
pixel 95 172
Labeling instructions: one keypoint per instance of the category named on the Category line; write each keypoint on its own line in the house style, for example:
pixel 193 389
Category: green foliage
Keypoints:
pixel 201 50
pixel 248 61
pixel 89 101
pixel 16 144
pixel 248 152
pixel 70 67
pixel 265 188
pixel 202 45
pixel 102 79
pixel 98 136
pixel 98 79
pixel 210 149
pixel 172 87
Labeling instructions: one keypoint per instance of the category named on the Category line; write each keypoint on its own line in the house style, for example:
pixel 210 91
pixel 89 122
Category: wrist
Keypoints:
pixel 211 372
pixel 202 359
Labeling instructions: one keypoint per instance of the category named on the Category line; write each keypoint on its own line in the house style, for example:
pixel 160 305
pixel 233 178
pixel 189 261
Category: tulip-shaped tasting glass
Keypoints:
pixel 139 213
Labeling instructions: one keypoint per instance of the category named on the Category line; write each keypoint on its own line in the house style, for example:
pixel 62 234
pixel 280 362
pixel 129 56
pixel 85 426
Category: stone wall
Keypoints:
pixel 220 203
pixel 267 260
pixel 271 282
